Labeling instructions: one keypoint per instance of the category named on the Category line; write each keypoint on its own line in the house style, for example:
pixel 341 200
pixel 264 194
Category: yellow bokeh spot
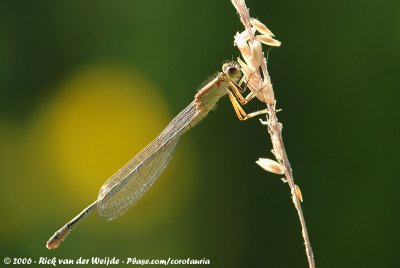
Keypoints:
pixel 99 119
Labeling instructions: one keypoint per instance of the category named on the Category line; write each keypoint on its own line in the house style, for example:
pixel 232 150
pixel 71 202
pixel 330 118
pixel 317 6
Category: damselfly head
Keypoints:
pixel 232 70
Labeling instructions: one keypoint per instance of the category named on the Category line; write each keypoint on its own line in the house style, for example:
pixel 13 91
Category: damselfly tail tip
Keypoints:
pixel 56 240
pixel 53 243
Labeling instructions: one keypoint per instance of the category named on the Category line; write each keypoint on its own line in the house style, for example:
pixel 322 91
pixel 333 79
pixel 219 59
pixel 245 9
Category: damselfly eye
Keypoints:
pixel 232 71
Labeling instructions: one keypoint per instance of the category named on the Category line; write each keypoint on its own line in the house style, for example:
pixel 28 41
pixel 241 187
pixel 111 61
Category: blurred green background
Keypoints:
pixel 84 85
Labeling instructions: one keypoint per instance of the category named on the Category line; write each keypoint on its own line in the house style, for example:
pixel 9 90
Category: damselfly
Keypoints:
pixel 132 181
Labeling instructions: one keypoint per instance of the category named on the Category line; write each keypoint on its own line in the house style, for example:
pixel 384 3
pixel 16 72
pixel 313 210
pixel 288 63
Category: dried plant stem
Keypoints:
pixel 254 68
pixel 275 132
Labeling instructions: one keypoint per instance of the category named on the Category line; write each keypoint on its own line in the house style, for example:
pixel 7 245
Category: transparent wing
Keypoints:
pixel 131 182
